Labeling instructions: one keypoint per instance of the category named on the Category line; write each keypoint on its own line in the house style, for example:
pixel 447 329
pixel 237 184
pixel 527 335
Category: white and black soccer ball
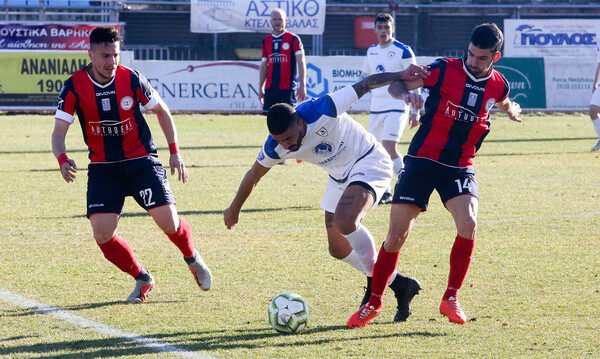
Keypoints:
pixel 288 313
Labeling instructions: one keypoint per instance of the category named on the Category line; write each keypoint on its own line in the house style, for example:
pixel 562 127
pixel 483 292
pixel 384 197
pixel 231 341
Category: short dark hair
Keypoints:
pixel 101 35
pixel 487 36
pixel 384 17
pixel 280 117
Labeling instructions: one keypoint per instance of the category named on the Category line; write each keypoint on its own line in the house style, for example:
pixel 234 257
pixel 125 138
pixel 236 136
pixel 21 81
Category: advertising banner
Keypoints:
pixel 527 80
pixel 305 17
pixel 46 37
pixel 544 38
pixel 569 86
pixel 34 79
pixel 201 86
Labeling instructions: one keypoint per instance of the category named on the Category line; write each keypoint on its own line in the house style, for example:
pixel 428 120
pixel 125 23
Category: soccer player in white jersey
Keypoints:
pixel 595 104
pixel 387 115
pixel 321 132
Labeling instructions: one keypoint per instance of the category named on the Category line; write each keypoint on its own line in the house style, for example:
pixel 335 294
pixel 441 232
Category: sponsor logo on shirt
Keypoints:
pixel 109 128
pixel 278 59
pixel 462 114
pixel 322 132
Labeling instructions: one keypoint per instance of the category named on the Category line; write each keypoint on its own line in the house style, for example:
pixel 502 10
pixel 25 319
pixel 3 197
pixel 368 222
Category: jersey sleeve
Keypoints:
pixel 147 95
pixel 297 45
pixel 342 99
pixel 506 90
pixel 66 103
pixel 434 69
pixel 265 56
pixel 366 67
pixel 267 156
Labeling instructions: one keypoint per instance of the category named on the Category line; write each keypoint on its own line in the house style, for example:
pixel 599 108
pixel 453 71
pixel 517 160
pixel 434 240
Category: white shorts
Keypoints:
pixel 388 126
pixel 596 97
pixel 376 170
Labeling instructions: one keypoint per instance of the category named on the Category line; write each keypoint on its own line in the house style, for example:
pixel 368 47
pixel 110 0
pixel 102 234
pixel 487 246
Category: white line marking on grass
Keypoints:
pixel 98 327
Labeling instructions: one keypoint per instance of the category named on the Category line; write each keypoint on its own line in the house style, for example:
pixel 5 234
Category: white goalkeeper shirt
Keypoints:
pixel 392 57
pixel 333 140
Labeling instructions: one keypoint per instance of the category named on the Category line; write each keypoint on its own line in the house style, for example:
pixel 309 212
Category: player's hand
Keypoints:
pixel 261 96
pixel 514 112
pixel 176 163
pixel 231 217
pixel 300 93
pixel 413 120
pixel 414 72
pixel 68 170
pixel 413 99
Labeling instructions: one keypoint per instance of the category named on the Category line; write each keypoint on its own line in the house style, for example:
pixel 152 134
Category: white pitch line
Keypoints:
pixel 95 326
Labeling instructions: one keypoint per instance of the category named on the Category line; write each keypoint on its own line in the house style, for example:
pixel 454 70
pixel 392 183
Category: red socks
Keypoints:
pixel 460 260
pixel 382 271
pixel 119 253
pixel 183 238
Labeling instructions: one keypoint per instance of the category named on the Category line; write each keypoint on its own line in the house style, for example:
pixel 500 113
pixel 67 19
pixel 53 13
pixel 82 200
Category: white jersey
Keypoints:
pixel 333 140
pixel 392 57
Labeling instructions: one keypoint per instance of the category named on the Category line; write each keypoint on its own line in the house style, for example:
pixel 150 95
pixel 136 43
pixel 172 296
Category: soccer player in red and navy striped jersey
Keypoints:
pixel 282 51
pixel 106 97
pixel 440 157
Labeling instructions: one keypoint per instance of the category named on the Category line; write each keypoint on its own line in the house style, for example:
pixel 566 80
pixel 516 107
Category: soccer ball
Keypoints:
pixel 288 313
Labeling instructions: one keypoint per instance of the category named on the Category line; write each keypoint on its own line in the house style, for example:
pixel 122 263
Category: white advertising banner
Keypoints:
pixel 306 17
pixel 231 86
pixel 544 38
pixel 569 82
pixel 227 86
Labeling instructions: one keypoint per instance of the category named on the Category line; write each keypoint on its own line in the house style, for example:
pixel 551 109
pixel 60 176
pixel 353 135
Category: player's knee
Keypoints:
pixel 345 225
pixel 102 235
pixel 169 227
pixel 469 225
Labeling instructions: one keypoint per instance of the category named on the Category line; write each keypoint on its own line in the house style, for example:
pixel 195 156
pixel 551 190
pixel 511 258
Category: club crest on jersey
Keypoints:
pixel 285 46
pixel 126 103
pixel 489 104
pixel 322 132
pixel 391 54
pixel 472 99
pixel 105 104
pixel 323 149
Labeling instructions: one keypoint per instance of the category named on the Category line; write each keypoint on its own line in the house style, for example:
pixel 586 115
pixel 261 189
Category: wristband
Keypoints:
pixel 173 148
pixel 62 159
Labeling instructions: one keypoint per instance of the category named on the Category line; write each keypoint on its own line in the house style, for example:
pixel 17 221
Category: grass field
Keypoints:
pixel 533 290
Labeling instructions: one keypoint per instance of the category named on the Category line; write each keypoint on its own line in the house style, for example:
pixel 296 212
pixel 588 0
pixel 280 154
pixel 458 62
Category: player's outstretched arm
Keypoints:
pixel 512 109
pixel 68 168
pixel 400 89
pixel 231 215
pixel 410 74
pixel 165 119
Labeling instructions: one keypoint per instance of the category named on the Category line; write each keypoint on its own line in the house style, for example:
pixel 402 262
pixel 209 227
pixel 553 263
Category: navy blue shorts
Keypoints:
pixel 273 96
pixel 420 177
pixel 144 179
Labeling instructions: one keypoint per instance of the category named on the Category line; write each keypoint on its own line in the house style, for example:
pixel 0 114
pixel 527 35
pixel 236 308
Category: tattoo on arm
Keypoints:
pixel 328 220
pixel 374 81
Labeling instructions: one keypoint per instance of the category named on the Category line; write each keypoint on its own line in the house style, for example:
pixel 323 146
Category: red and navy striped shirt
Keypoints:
pixel 457 117
pixel 280 53
pixel 113 126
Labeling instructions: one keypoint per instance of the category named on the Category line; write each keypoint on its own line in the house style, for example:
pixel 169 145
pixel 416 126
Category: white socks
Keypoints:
pixel 361 241
pixel 596 124
pixel 354 261
pixel 398 165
